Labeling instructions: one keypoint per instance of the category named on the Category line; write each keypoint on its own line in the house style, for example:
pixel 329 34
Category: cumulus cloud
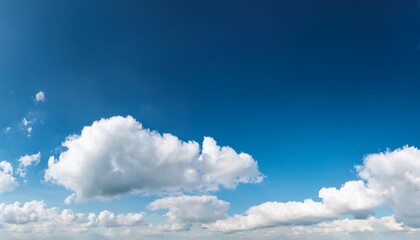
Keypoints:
pixel 224 166
pixel 26 161
pixel 352 198
pixel 272 214
pixel 117 155
pixel 183 211
pixel 7 181
pixel 34 217
pixel 390 179
pixel 109 219
pixel 40 97
pixel 33 211
pixel 395 176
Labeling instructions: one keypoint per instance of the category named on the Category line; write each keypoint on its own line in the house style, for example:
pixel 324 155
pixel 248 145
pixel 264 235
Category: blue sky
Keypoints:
pixel 307 88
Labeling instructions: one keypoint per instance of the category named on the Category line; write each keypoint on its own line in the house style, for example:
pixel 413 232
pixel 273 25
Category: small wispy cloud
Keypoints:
pixel 27 125
pixel 40 97
pixel 26 161
pixel 7 130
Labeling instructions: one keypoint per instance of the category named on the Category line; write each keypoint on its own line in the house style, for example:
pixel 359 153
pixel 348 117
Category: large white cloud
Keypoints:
pixel 395 176
pixel 7 181
pixel 183 211
pixel 117 155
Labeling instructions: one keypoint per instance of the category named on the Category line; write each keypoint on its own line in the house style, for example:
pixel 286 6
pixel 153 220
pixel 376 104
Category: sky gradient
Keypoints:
pixel 210 119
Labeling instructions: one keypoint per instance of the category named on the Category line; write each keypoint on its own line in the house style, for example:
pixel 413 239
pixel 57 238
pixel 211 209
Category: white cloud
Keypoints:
pixel 352 198
pixel 40 97
pixel 35 217
pixel 340 229
pixel 29 130
pixel 26 161
pixel 272 214
pixel 183 211
pixel 390 179
pixel 391 224
pixel 30 212
pixel 26 122
pixel 70 199
pixel 7 181
pixel 117 155
pixel 7 130
pixel 27 125
pixel 395 176
pixel 109 219
pixel 223 166
pixel 346 226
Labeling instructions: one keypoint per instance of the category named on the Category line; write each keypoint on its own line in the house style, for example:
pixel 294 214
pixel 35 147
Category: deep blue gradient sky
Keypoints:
pixel 306 87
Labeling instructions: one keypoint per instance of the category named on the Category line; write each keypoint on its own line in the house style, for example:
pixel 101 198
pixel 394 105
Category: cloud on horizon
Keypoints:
pixel 183 211
pixel 128 158
pixel 390 179
pixel 36 217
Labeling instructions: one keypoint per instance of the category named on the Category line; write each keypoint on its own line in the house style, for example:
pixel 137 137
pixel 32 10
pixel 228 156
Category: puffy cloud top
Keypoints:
pixel 117 155
pixel 353 197
pixel 395 176
pixel 36 216
pixel 109 219
pixel 33 211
